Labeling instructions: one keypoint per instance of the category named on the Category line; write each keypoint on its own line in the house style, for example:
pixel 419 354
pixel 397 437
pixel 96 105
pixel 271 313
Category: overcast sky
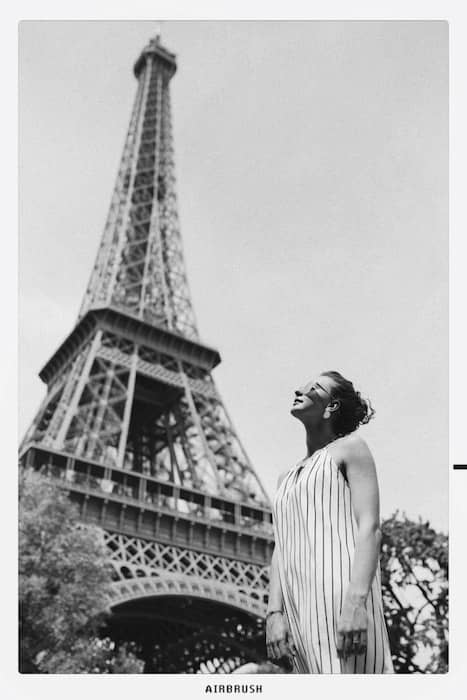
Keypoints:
pixel 312 162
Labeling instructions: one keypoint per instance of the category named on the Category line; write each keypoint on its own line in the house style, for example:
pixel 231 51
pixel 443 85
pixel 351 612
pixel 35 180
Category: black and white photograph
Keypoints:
pixel 233 407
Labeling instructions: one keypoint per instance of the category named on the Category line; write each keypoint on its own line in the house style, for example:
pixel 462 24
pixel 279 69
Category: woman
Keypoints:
pixel 325 612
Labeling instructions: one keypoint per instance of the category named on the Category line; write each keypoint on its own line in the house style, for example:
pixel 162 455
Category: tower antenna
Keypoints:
pixel 159 29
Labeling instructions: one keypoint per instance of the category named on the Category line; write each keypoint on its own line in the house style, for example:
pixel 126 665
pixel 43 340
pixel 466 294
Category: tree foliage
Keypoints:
pixel 63 573
pixel 414 568
pixel 92 655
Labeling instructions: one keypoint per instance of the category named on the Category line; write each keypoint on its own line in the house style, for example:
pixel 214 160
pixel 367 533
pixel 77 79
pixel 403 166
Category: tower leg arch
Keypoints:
pixel 185 585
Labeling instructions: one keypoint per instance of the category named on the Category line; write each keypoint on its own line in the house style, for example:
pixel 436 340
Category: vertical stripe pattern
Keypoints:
pixel 314 531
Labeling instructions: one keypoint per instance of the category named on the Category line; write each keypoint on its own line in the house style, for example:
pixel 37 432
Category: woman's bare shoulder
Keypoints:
pixel 350 446
pixel 283 474
pixel 281 477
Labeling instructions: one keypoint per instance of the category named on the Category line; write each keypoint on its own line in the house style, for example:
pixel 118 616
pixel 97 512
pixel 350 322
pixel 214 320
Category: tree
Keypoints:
pixel 93 655
pixel 414 569
pixel 63 572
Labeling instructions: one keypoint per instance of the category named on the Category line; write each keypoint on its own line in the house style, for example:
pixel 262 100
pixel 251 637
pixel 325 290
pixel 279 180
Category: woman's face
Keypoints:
pixel 312 398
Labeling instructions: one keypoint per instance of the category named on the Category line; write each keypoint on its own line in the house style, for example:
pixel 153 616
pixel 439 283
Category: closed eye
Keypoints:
pixel 322 388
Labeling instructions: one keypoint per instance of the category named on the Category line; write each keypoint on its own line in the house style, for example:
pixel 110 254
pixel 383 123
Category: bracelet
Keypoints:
pixel 273 612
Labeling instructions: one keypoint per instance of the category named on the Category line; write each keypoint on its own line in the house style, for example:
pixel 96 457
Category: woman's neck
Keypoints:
pixel 317 439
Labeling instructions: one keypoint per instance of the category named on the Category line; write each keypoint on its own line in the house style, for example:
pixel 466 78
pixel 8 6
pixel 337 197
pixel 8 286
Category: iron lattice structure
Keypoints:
pixel 135 428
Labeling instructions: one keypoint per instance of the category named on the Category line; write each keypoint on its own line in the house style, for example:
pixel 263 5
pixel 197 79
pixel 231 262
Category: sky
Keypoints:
pixel 312 173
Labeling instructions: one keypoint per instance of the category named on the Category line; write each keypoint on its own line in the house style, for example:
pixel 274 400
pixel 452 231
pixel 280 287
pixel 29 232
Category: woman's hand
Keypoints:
pixel 352 627
pixel 279 642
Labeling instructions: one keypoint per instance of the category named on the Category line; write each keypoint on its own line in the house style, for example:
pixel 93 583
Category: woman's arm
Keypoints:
pixel 360 472
pixel 275 593
pixel 278 641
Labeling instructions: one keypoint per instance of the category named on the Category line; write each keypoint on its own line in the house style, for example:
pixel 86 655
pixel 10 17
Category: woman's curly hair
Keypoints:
pixel 354 410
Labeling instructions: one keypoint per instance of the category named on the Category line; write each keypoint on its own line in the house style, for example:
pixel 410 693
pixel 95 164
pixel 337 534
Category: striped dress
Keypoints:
pixel 314 531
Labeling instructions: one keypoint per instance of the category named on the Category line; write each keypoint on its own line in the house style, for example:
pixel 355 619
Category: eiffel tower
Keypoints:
pixel 134 426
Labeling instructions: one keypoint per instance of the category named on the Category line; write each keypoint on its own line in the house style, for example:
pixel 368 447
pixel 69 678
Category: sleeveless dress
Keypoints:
pixel 314 529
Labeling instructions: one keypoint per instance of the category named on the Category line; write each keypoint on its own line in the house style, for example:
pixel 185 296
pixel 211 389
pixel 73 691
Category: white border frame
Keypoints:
pixel 35 687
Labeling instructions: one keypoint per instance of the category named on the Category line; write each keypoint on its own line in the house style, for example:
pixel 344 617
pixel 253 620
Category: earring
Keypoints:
pixel 326 413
